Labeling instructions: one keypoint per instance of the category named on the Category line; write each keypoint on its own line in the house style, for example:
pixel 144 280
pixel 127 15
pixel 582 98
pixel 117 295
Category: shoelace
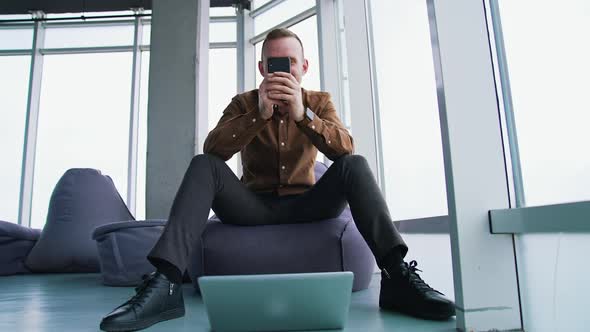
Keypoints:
pixel 415 279
pixel 141 291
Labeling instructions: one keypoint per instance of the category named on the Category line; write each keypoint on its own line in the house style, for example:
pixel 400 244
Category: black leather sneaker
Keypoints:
pixel 156 299
pixel 403 290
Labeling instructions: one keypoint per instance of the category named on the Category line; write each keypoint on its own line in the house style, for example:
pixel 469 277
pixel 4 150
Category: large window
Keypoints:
pixel 549 70
pixel 88 36
pixel 223 80
pixel 142 137
pixel 220 32
pixel 259 3
pixel 222 11
pixel 280 13
pixel 223 75
pixel 222 88
pixel 14 84
pixel 410 128
pixel 307 31
pixel 14 81
pixel 16 38
pixel 546 65
pixel 83 121
pixel 84 105
pixel 84 102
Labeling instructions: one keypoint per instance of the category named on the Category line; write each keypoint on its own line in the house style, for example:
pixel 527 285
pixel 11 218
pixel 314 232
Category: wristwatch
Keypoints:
pixel 309 114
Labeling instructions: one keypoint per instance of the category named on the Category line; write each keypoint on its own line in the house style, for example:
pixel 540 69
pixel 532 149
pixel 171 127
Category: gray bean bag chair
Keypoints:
pixel 320 246
pixel 15 244
pixel 123 248
pixel 82 200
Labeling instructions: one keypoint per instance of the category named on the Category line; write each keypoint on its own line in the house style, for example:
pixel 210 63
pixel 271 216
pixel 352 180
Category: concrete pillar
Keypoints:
pixel 484 267
pixel 177 102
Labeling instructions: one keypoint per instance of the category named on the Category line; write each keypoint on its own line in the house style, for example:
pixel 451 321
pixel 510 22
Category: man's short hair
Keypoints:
pixel 278 34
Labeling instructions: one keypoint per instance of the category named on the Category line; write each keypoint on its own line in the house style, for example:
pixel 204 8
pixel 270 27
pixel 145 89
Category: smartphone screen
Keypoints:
pixel 279 64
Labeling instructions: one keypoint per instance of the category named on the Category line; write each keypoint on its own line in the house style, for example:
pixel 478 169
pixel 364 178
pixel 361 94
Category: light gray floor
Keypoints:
pixel 77 302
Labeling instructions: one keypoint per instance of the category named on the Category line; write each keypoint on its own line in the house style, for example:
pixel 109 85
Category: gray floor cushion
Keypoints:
pixel 320 246
pixel 82 200
pixel 123 249
pixel 15 244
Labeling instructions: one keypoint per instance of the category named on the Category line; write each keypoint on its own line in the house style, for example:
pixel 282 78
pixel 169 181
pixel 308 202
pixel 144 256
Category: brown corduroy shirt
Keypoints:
pixel 278 154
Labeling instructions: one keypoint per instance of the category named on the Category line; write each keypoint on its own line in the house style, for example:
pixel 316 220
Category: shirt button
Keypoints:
pixel 312 127
pixel 282 121
pixel 283 143
pixel 253 120
pixel 329 141
pixel 234 135
pixel 283 167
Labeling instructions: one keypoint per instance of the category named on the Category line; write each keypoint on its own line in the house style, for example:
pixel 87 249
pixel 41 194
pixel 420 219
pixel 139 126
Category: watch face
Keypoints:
pixel 310 115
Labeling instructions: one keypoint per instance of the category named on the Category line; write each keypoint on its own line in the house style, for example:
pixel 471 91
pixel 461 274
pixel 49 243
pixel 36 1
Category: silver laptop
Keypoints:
pixel 277 302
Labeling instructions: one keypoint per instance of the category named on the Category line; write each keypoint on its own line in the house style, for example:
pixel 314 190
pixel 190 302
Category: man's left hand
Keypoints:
pixel 286 91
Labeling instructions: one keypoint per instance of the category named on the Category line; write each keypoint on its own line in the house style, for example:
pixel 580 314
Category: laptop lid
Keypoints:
pixel 277 302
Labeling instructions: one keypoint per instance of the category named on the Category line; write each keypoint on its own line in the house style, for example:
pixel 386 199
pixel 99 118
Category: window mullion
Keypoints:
pixel 134 118
pixel 31 121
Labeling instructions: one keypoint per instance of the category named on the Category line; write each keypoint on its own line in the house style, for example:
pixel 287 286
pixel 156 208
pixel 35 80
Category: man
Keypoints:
pixel 278 130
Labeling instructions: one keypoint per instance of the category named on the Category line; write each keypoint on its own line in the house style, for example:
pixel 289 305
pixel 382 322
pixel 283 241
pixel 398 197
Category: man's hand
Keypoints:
pixel 264 102
pixel 284 90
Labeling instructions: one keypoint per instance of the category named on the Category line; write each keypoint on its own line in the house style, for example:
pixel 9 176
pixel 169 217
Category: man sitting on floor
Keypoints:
pixel 278 130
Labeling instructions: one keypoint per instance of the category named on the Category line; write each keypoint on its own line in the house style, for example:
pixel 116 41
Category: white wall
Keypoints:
pixel 553 270
pixel 547 54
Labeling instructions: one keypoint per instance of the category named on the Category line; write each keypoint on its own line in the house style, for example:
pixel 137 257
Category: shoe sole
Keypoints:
pixel 440 316
pixel 144 323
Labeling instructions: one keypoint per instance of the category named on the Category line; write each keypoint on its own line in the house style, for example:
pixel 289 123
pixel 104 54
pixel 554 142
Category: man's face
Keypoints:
pixel 285 47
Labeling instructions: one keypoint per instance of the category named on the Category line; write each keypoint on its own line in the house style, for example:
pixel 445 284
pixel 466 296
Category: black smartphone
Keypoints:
pixel 279 64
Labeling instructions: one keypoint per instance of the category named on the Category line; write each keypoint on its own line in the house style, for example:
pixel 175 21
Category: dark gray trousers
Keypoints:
pixel 210 183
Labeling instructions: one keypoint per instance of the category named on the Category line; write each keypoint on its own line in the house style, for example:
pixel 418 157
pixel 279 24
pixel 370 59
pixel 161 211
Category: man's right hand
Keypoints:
pixel 265 105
